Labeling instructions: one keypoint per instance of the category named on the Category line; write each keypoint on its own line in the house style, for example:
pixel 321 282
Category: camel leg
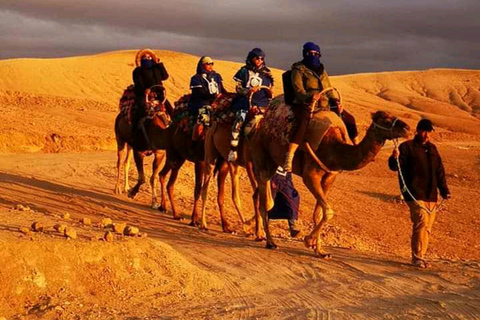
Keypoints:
pixel 162 177
pixel 263 187
pixel 235 191
pixel 170 189
pixel 199 169
pixel 322 212
pixel 157 161
pixel 208 172
pixel 127 167
pixel 138 157
pixel 222 176
pixel 122 148
pixel 260 235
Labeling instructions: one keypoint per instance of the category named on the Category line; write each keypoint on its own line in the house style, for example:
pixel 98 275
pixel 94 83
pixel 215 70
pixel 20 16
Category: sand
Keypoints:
pixel 57 156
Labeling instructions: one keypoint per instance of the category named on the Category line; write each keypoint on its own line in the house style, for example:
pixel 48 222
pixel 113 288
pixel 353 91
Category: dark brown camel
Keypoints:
pixel 156 129
pixel 319 167
pixel 182 148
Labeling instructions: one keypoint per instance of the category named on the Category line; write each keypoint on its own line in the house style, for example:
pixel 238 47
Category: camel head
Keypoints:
pixel 387 127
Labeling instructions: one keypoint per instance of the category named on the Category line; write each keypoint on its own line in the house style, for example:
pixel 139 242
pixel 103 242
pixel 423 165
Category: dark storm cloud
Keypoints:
pixel 354 36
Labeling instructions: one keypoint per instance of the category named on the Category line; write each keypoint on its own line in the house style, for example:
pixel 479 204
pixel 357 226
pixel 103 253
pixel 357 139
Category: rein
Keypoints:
pixel 405 189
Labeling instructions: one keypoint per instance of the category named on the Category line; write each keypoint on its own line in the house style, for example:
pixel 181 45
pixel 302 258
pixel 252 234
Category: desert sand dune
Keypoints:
pixel 68 106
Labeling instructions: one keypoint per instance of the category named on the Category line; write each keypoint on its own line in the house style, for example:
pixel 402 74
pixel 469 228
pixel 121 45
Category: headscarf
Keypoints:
pixel 312 62
pixel 201 70
pixel 257 52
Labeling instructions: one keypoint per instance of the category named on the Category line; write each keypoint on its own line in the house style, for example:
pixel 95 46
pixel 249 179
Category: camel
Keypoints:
pixel 320 166
pixel 217 145
pixel 158 133
pixel 184 148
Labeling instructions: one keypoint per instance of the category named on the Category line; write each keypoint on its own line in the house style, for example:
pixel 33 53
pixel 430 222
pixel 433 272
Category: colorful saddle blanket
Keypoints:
pixel 279 123
pixel 224 113
pixel 181 116
pixel 127 103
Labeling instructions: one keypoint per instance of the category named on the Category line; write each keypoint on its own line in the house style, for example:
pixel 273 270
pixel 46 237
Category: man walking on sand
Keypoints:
pixel 421 173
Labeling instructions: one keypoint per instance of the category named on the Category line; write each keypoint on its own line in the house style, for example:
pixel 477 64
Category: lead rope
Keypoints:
pixel 405 189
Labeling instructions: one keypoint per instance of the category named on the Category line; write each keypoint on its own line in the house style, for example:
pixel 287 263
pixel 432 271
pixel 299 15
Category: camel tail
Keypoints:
pixel 218 165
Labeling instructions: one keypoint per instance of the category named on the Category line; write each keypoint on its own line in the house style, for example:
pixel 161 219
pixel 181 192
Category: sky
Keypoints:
pixel 354 35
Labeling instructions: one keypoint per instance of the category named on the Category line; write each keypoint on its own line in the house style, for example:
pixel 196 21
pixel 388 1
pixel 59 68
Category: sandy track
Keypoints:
pixel 289 283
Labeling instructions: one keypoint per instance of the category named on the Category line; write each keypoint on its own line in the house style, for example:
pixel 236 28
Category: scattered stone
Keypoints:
pixel 66 216
pixel 86 221
pixel 131 231
pixel 108 236
pixel 26 231
pixel 107 223
pixel 119 227
pixel 21 207
pixel 59 309
pixel 37 227
pixel 60 227
pixel 143 235
pixel 70 233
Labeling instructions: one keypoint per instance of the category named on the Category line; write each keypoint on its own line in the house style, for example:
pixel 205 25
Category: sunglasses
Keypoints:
pixel 260 58
pixel 147 58
pixel 314 53
pixel 209 63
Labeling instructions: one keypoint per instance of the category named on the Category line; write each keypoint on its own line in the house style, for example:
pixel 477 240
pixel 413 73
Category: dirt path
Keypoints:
pixel 374 282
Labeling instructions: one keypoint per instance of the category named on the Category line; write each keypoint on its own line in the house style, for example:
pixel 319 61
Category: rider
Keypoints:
pixel 148 73
pixel 309 78
pixel 206 85
pixel 250 78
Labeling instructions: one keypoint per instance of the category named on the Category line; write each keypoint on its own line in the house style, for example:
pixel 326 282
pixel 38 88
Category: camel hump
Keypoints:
pixel 279 123
pixel 320 124
pixel 279 120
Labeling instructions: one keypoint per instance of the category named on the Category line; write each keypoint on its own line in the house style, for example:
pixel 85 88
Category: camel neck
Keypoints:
pixel 348 157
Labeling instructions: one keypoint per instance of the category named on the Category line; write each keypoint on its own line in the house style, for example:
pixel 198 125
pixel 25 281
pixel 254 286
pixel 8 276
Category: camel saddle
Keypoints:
pixel 224 114
pixel 279 124
pixel 181 115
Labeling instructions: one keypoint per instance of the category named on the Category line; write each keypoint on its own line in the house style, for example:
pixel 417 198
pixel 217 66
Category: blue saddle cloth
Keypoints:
pixel 286 198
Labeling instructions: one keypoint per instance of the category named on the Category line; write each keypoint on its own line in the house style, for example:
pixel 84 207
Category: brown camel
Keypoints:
pixel 156 129
pixel 182 148
pixel 319 167
pixel 217 145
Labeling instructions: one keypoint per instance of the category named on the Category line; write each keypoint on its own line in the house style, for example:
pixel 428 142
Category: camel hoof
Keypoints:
pixel 163 209
pixel 155 206
pixel 260 239
pixel 194 223
pixel 272 246
pixel 307 241
pixel 325 256
pixel 117 191
pixel 226 229
pixel 178 218
pixel 132 194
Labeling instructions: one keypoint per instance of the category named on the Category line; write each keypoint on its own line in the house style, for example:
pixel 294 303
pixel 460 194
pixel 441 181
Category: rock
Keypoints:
pixel 37 227
pixel 108 236
pixel 60 227
pixel 21 207
pixel 26 231
pixel 143 234
pixel 86 221
pixel 131 231
pixel 119 227
pixel 70 233
pixel 107 223
pixel 66 216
